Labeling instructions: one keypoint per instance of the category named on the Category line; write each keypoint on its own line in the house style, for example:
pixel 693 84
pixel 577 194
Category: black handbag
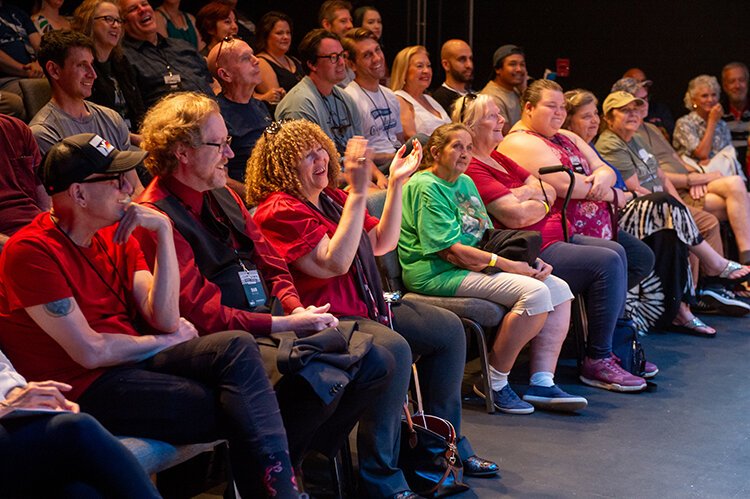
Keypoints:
pixel 429 456
pixel 513 244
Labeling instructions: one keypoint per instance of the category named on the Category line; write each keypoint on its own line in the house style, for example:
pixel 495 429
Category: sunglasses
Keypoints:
pixel 106 178
pixel 470 97
pixel 226 39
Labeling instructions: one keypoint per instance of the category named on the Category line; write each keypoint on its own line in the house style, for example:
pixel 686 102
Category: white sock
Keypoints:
pixel 498 380
pixel 542 378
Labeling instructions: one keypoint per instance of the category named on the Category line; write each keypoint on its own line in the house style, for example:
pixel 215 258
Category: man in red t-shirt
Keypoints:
pixel 103 323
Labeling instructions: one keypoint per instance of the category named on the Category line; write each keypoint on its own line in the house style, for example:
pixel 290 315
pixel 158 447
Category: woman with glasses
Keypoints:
pixel 174 23
pixel 216 21
pixel 410 78
pixel 329 242
pixel 46 16
pixel 116 85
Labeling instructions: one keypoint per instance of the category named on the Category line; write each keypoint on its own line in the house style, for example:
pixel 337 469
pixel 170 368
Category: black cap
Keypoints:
pixel 79 156
pixel 503 52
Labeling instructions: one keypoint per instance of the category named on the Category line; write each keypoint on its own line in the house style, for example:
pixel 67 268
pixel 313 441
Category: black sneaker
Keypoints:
pixel 725 302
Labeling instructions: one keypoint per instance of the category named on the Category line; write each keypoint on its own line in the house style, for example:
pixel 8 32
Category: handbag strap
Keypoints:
pixel 614 213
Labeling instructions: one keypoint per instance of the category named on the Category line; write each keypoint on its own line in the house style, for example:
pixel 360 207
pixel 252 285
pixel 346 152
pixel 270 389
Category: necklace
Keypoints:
pixel 286 63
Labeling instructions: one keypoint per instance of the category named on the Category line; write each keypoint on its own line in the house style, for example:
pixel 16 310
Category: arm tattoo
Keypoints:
pixel 59 308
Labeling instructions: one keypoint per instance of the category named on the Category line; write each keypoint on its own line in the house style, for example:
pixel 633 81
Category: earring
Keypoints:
pixel 695 106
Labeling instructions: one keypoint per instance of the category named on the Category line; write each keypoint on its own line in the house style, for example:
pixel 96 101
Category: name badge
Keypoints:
pixel 254 293
pixel 172 79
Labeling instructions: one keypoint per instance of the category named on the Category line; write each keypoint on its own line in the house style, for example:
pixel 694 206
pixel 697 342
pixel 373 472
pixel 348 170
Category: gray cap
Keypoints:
pixel 503 52
pixel 629 85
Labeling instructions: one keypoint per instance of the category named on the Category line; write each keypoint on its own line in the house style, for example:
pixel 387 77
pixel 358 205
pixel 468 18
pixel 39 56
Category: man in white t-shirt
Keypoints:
pixel 378 105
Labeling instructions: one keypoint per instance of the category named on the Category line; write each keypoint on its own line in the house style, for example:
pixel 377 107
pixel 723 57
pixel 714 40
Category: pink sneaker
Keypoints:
pixel 606 373
pixel 650 370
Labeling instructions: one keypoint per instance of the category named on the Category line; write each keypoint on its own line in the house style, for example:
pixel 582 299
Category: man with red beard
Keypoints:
pixel 162 65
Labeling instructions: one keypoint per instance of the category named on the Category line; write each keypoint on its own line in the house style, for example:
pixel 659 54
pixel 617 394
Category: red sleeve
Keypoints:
pixel 200 299
pixel 27 264
pixel 490 188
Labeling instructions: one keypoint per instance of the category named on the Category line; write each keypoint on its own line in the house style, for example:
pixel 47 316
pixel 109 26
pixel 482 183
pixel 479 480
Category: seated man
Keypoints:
pixel 336 16
pixel 22 196
pixel 219 246
pixel 162 65
pixel 378 105
pixel 64 453
pixel 508 84
pixel 658 112
pixel 67 58
pixel 235 67
pixel 19 42
pixel 458 62
pixel 734 78
pixel 107 326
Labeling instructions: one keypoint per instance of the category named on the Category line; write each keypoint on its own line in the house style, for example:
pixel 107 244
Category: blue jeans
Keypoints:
pixel 597 269
pixel 437 335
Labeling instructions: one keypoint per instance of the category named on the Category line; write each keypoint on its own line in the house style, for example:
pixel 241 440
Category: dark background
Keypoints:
pixel 671 40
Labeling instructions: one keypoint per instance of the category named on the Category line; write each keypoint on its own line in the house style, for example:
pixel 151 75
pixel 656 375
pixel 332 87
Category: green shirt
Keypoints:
pixel 437 215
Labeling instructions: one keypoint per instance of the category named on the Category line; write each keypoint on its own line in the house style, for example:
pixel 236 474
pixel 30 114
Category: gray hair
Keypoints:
pixel 735 65
pixel 695 84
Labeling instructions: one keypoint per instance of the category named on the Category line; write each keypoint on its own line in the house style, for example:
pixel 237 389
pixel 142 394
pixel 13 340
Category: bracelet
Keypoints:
pixel 493 260
pixel 546 206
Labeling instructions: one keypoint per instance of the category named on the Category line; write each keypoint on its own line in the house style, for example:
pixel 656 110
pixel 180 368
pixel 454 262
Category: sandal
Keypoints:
pixel 730 269
pixel 693 327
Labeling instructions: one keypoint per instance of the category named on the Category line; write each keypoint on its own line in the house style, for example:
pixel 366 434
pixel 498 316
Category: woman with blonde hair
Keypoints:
pixel 410 78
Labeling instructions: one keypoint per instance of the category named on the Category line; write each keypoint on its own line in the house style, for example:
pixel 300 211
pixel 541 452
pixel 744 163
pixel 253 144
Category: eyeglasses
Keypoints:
pixel 106 178
pixel 112 21
pixel 219 145
pixel 226 39
pixel 334 57
pixel 471 96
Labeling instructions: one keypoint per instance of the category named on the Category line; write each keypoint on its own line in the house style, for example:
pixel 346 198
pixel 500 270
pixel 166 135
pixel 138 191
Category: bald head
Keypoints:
pixel 235 67
pixel 458 62
pixel 636 73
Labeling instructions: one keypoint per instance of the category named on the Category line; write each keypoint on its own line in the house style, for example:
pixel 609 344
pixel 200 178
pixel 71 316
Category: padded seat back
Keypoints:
pixel 36 93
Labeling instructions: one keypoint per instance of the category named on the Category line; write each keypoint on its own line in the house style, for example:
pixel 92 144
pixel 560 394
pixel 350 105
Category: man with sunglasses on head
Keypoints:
pixel 317 97
pixel 162 65
pixel 79 304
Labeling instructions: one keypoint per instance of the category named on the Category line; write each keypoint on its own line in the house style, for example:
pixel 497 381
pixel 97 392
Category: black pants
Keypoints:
pixel 67 455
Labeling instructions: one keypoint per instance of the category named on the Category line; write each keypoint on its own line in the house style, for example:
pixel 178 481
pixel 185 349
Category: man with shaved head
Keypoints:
pixel 458 62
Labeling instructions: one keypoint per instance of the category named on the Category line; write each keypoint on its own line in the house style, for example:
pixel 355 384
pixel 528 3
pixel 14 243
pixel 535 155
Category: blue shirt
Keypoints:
pixel 245 123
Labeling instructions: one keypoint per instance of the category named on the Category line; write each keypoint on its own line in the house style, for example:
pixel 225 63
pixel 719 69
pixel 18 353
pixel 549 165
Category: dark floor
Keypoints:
pixel 689 438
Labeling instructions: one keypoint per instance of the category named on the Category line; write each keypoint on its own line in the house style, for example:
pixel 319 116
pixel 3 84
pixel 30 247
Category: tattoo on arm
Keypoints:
pixel 59 308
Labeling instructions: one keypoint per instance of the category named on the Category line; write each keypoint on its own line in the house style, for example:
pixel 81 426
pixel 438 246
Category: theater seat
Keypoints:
pixel 156 456
pixel 36 92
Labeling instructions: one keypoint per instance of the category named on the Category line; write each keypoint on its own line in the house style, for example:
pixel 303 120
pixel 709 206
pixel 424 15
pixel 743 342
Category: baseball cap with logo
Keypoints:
pixel 79 156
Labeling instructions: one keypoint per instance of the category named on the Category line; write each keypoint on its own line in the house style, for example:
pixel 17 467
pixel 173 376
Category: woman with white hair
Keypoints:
pixel 702 136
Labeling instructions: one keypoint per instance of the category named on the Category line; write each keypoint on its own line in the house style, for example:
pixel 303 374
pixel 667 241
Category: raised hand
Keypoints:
pixel 402 166
pixel 357 164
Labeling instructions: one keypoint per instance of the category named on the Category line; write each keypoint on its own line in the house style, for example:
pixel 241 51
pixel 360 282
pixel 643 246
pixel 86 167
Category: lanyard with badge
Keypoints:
pixel 252 284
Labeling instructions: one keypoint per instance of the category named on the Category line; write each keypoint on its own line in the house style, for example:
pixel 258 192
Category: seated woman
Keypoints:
pixel 65 454
pixel 46 16
pixel 590 266
pixel 215 21
pixel 116 85
pixel 279 71
pixel 444 221
pixel 410 79
pixel 368 17
pixel 330 243
pixel 171 22
pixel 702 136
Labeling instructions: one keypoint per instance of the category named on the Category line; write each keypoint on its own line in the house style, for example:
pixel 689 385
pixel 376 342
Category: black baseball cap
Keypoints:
pixel 79 156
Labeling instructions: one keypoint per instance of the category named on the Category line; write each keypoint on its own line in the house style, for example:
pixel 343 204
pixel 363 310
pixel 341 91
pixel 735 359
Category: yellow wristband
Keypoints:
pixel 546 206
pixel 493 260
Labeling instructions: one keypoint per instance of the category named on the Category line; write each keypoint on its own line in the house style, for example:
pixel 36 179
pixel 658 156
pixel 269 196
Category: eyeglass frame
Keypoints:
pixel 468 96
pixel 117 176
pixel 219 145
pixel 111 20
pixel 334 57
pixel 226 39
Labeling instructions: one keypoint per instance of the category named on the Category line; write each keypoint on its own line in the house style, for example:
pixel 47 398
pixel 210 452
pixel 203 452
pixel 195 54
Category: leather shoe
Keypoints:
pixel 477 467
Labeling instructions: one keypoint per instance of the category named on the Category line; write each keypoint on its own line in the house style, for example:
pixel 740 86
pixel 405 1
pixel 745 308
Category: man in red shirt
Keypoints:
pixel 105 324
pixel 231 278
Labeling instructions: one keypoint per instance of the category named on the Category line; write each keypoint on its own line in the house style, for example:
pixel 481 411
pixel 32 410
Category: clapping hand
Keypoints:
pixel 357 164
pixel 403 166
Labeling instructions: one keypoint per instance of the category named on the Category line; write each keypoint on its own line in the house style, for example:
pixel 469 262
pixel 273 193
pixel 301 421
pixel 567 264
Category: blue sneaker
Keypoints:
pixel 552 398
pixel 506 400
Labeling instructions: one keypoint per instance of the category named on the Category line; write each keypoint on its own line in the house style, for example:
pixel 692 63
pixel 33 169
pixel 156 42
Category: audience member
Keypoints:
pixel 174 23
pixel 115 86
pixel 658 112
pixel 317 98
pixel 336 17
pixel 458 63
pixel 330 242
pixel 410 78
pixel 62 453
pixel 702 137
pixel 216 21
pixel 378 105
pixel 22 196
pixel 592 268
pixel 19 43
pixel 80 323
pixel 245 26
pixel 368 17
pixel 279 70
pixel 46 16
pixel 508 83
pixel 165 65
pixel 734 78
pixel 236 69
pixel 186 139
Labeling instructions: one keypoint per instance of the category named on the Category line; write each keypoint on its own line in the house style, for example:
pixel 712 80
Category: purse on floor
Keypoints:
pixel 429 456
